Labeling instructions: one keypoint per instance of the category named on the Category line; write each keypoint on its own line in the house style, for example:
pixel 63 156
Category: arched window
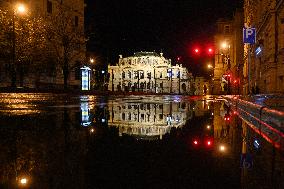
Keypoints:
pixel 141 75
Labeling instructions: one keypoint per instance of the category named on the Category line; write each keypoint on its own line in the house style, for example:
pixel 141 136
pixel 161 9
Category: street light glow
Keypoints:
pixel 222 148
pixel 209 66
pixel 24 181
pixel 224 45
pixel 92 60
pixel 21 8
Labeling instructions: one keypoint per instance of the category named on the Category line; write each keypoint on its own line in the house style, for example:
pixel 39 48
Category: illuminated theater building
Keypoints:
pixel 148 72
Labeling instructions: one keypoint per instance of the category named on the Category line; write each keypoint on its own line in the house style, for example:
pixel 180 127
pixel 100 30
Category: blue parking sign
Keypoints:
pixel 249 35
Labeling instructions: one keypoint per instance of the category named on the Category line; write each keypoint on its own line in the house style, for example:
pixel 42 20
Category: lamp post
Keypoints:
pixel 18 9
pixel 226 47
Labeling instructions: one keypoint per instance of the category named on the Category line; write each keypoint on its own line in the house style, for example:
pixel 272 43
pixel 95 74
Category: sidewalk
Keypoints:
pixel 271 101
pixel 267 110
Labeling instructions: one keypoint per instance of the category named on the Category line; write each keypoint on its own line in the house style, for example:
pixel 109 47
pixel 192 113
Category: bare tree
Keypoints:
pixel 67 38
pixel 22 42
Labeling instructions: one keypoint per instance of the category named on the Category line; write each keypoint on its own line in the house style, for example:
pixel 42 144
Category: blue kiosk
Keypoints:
pixel 85 78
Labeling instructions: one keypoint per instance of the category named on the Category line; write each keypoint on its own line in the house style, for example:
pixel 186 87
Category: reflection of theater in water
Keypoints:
pixel 147 119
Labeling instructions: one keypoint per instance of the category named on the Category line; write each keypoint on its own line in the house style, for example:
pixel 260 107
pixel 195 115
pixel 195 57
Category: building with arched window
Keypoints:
pixel 148 118
pixel 148 72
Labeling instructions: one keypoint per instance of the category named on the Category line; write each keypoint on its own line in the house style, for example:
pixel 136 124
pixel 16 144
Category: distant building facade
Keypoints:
pixel 148 72
pixel 201 86
pixel 267 55
pixel 229 56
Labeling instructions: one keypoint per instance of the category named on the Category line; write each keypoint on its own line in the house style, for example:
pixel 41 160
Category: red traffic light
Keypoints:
pixel 227 117
pixel 196 51
pixel 209 143
pixel 210 51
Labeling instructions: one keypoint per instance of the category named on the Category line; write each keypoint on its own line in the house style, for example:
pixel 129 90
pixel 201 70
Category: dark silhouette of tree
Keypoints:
pixel 22 42
pixel 67 39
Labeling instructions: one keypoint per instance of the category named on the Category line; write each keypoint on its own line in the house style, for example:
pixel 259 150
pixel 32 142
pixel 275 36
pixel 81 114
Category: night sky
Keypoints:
pixel 172 26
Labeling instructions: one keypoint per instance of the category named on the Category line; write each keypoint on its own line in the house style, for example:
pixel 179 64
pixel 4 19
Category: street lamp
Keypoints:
pixel 18 9
pixel 225 46
pixel 209 66
pixel 222 148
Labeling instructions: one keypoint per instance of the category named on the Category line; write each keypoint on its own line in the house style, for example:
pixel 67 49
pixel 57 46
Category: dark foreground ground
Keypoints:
pixel 43 139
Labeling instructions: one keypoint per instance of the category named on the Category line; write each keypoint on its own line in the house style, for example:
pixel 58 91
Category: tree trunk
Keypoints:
pixel 21 76
pixel 65 73
pixel 13 76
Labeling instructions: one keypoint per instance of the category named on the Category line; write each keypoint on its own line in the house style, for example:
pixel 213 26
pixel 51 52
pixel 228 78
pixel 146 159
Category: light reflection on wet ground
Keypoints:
pixel 63 141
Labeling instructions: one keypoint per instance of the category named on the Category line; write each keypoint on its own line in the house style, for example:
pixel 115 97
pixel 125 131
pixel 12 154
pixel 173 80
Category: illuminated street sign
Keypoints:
pixel 249 35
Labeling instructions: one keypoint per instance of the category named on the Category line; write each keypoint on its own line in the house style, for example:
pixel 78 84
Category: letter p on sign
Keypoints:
pixel 249 35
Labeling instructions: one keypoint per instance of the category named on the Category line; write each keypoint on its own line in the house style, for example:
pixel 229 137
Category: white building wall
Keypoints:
pixel 148 72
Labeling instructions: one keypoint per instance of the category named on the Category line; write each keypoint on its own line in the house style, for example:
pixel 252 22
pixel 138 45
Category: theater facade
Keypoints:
pixel 148 72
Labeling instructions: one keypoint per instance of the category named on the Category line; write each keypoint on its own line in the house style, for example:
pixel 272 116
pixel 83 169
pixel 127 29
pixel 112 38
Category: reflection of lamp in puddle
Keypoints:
pixel 23 181
pixel 92 130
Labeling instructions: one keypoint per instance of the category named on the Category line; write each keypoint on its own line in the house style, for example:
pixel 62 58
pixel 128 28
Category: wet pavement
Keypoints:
pixel 272 101
pixel 70 141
